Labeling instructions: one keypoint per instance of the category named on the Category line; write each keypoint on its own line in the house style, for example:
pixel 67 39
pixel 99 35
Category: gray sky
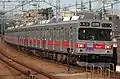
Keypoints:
pixel 42 5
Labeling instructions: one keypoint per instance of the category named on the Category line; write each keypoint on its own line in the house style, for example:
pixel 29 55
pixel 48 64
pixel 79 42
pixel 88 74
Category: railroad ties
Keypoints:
pixel 27 71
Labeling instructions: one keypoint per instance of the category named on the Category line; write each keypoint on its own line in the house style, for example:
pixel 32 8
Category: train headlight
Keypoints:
pixel 81 45
pixel 108 47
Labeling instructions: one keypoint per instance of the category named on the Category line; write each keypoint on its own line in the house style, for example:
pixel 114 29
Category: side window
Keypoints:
pixel 66 34
pixel 50 34
pixel 41 34
pixel 72 33
pixel 36 34
pixel 44 33
pixel 54 34
pixel 57 34
pixel 47 34
pixel 62 33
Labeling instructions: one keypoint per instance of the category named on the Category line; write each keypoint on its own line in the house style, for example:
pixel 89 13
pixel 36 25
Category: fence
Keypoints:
pixel 99 72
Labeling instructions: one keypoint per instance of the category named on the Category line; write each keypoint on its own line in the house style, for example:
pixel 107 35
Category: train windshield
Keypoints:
pixel 94 34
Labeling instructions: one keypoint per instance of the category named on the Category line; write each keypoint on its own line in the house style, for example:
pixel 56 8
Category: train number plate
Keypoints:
pixel 89 47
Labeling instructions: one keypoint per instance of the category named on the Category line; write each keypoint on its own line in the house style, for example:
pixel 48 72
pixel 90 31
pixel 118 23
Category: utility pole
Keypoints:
pixel 90 6
pixel 68 59
pixel 76 9
pixel 82 5
pixel 57 9
pixel 22 5
pixel 3 21
pixel 103 9
pixel 112 8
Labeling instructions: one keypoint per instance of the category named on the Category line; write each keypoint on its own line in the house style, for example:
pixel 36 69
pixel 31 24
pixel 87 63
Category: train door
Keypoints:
pixel 30 40
pixel 65 39
pixel 44 38
pixel 30 37
pixel 57 39
pixel 51 37
pixel 26 38
pixel 38 38
pixel 72 40
pixel 54 37
pixel 34 38
pixel 47 37
pixel 61 38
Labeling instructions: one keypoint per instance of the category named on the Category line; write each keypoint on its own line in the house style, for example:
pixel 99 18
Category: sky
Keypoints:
pixel 11 5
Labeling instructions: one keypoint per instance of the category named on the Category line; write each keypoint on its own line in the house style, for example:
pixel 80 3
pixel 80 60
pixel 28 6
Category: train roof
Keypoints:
pixel 62 23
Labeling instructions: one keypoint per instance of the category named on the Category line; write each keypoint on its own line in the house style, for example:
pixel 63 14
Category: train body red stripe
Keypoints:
pixel 34 41
pixel 38 41
pixel 50 43
pixel 43 42
pixel 57 43
pixel 65 44
pixel 99 46
pixel 30 40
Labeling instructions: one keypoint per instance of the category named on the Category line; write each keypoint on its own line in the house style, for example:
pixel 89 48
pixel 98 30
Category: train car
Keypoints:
pixel 89 41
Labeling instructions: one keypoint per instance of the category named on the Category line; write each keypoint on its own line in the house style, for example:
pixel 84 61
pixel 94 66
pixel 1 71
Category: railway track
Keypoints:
pixel 105 73
pixel 91 74
pixel 24 69
pixel 7 72
pixel 97 73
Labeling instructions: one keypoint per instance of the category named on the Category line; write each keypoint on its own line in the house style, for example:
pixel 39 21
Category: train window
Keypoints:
pixel 51 34
pixel 95 24
pixel 62 33
pixel 61 27
pixel 47 33
pixel 94 34
pixel 57 34
pixel 41 29
pixel 40 34
pixel 47 28
pixel 54 34
pixel 106 25
pixel 84 24
pixel 66 34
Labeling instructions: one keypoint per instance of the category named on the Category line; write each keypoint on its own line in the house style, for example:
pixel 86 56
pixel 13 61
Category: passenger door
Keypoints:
pixel 72 40
pixel 44 38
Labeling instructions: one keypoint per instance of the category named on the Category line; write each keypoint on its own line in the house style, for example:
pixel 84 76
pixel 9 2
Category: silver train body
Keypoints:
pixel 91 41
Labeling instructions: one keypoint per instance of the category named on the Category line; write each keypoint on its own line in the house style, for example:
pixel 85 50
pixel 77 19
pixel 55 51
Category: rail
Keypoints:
pixel 24 72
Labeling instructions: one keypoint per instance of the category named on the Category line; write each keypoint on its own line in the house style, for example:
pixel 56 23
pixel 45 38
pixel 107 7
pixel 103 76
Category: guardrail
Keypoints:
pixel 91 71
pixel 99 72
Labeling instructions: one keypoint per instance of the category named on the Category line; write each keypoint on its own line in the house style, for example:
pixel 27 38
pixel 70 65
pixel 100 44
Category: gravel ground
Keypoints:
pixel 48 67
pixel 7 72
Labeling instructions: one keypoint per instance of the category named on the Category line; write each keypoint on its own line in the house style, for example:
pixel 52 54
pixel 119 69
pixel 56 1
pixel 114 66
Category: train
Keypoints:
pixel 86 41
